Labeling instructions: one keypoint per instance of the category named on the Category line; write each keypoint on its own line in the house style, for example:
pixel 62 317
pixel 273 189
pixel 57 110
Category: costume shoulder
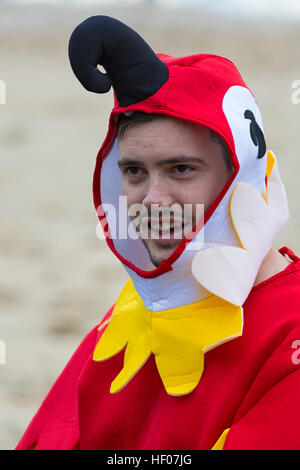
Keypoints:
pixel 268 417
pixel 271 423
pixel 55 425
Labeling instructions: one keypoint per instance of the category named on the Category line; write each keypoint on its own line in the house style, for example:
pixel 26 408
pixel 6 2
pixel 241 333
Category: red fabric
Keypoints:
pixel 250 385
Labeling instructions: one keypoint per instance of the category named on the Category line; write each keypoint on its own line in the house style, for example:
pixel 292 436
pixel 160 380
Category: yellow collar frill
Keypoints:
pixel 178 338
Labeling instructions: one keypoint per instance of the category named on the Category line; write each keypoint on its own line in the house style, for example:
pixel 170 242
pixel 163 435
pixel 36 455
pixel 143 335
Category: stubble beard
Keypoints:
pixel 156 259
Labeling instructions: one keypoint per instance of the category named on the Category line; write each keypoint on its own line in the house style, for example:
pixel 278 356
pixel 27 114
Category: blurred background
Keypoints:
pixel 58 279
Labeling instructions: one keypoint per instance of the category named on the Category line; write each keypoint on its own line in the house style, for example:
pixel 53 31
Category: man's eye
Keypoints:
pixel 182 169
pixel 132 170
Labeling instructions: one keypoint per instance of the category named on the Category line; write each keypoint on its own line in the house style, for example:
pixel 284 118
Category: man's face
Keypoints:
pixel 170 161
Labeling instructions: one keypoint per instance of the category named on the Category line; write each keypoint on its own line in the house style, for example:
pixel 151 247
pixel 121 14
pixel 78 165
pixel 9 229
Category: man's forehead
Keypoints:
pixel 163 147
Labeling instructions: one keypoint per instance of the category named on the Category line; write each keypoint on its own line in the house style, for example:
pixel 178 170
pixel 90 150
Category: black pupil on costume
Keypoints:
pixel 256 134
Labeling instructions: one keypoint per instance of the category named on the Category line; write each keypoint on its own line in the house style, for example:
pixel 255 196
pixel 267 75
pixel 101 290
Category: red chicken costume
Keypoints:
pixel 191 356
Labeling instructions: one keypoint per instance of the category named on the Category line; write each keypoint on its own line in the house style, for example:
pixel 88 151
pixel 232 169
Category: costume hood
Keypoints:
pixel 237 231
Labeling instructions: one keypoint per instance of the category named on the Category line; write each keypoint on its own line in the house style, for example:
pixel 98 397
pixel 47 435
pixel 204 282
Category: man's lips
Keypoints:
pixel 161 225
pixel 165 231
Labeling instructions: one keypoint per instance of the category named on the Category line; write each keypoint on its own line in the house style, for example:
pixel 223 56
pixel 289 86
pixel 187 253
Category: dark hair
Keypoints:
pixel 124 121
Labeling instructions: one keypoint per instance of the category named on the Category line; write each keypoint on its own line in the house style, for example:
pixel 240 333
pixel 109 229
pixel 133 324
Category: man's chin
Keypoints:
pixel 160 250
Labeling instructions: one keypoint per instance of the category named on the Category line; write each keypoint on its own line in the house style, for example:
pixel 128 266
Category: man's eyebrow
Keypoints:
pixel 179 159
pixel 129 162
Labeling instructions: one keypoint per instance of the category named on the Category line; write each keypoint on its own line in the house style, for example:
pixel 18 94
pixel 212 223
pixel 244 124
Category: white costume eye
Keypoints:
pixel 245 122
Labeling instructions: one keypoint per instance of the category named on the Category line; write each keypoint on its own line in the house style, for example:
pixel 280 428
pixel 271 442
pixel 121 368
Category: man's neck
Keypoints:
pixel 272 264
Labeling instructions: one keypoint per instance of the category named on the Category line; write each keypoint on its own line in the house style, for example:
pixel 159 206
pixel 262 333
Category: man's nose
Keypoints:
pixel 158 192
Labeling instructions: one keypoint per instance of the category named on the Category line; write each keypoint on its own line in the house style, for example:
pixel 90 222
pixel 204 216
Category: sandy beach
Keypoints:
pixel 58 279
